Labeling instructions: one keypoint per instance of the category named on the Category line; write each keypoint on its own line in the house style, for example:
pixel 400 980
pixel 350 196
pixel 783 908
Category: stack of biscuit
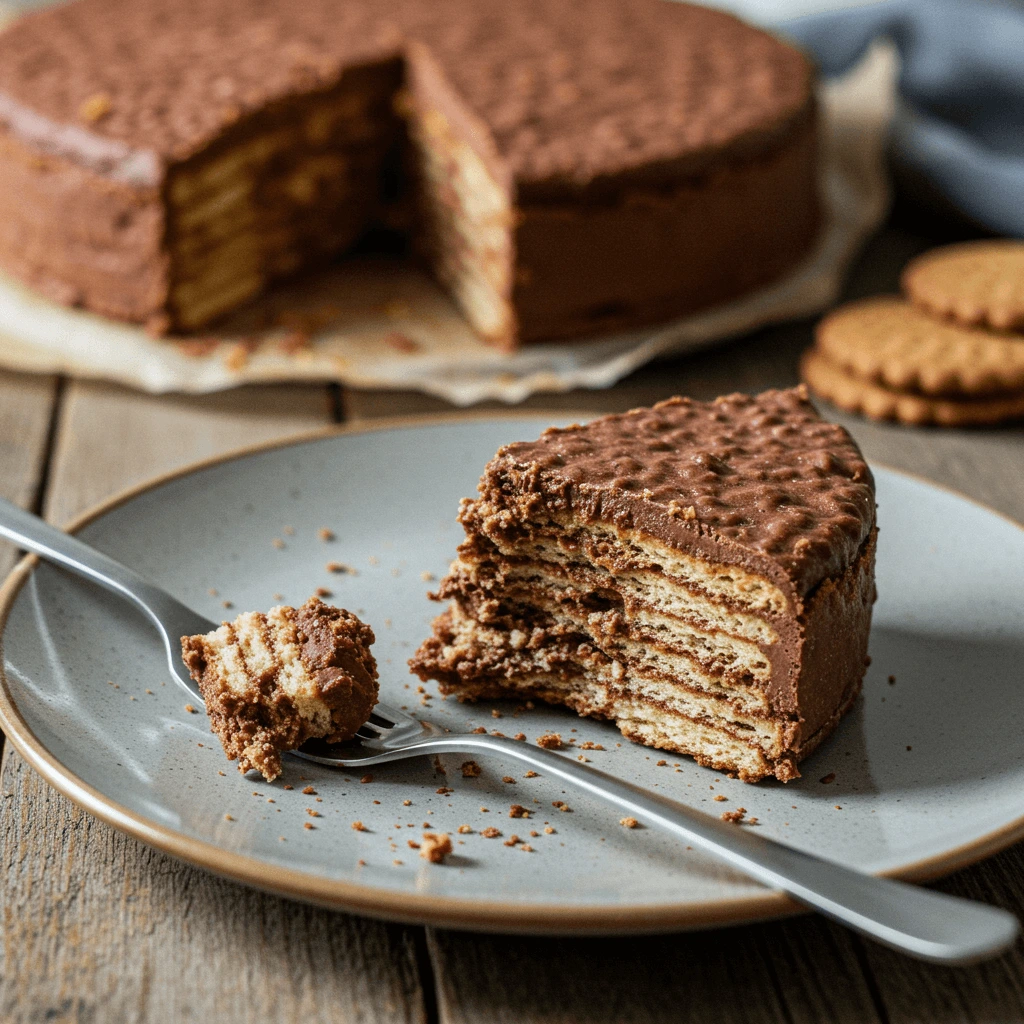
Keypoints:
pixel 951 353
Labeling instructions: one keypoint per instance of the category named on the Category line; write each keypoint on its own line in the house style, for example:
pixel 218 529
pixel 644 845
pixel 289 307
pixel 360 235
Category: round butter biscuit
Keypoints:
pixel 977 284
pixel 887 341
pixel 838 385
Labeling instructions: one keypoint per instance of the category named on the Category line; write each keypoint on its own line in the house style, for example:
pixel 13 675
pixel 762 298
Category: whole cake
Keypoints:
pixel 570 166
pixel 701 573
pixel 272 681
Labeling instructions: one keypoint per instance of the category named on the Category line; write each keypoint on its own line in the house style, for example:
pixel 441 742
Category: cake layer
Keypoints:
pixel 709 651
pixel 650 592
pixel 470 653
pixel 476 662
pixel 757 484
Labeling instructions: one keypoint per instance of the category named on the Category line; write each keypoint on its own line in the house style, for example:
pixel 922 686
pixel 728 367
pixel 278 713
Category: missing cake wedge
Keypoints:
pixel 700 573
pixel 272 681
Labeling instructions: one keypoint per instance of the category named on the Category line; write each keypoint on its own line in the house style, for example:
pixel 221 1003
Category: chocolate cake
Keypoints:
pixel 570 167
pixel 701 573
pixel 270 682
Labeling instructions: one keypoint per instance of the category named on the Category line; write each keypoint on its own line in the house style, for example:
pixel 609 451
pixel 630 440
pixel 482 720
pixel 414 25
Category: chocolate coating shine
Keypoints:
pixel 760 481
pixel 560 104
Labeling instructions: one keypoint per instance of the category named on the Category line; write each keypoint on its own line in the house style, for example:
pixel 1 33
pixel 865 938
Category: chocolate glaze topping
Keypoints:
pixel 557 85
pixel 759 481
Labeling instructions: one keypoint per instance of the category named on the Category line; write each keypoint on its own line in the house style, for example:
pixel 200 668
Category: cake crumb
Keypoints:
pixel 413 845
pixel 479 731
pixel 490 832
pixel 662 763
pixel 325 534
pixel 227 817
pixel 838 807
pixel 512 840
pixel 531 774
pixel 227 604
pixel 190 709
pixel 438 766
pixel 95 108
pixel 405 803
pixel 826 779
pixel 435 847
pixel 278 543
pixel 444 790
pixel 289 787
pixel 339 567
pixel 549 831
pixel 629 822
pixel 561 805
pixel 308 825
pixel 550 741
pixel 495 713
pixel 366 778
pixel 312 813
pixel 591 746
pixel 508 778
pixel 323 592
pixel 309 791
pixel 427 577
pixel 464 830
pixel 518 811
pixel 358 826
pixel 719 798
pixel 470 769
pixel 735 816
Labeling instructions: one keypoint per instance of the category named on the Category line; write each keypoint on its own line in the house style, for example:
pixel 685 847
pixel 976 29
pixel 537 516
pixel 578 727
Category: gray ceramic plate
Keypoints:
pixel 929 769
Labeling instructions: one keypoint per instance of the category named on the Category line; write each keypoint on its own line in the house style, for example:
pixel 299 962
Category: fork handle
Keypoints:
pixel 30 533
pixel 927 924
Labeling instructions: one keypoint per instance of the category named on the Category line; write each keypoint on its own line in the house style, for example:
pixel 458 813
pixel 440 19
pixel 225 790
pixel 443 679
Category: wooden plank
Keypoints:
pixel 109 437
pixel 98 927
pixel 993 991
pixel 27 407
pixel 788 972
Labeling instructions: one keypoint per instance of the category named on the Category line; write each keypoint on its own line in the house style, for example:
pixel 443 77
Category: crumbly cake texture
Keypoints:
pixel 272 681
pixel 168 159
pixel 700 573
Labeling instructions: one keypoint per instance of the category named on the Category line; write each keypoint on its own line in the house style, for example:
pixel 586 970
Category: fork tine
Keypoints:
pixel 390 716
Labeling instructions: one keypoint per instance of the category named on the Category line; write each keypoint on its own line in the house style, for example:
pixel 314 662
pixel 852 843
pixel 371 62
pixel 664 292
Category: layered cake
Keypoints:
pixel 700 573
pixel 272 681
pixel 165 161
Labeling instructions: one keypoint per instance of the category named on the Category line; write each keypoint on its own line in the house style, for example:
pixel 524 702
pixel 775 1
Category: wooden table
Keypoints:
pixel 97 927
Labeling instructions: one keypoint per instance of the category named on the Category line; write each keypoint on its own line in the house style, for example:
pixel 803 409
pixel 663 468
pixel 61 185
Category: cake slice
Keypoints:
pixel 272 681
pixel 700 573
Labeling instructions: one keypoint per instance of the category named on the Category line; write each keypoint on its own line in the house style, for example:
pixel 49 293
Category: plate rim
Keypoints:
pixel 419 908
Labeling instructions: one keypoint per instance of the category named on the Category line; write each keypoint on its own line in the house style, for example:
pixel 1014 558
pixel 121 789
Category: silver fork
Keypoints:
pixel 926 924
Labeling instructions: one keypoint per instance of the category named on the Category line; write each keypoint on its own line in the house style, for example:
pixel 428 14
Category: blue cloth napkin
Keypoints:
pixel 960 116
